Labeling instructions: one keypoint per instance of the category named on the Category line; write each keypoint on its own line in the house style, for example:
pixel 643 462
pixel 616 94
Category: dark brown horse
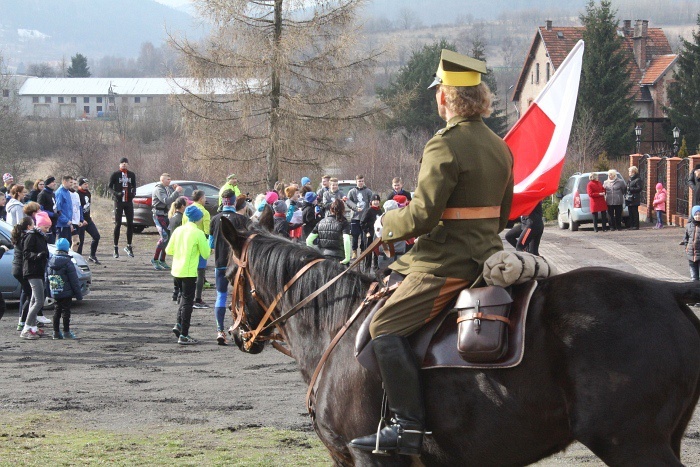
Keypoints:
pixel 611 360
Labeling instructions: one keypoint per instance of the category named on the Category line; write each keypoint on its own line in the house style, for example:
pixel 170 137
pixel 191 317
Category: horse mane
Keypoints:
pixel 275 260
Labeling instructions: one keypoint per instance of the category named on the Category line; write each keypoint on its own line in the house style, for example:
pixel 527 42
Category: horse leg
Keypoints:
pixel 636 454
pixel 679 431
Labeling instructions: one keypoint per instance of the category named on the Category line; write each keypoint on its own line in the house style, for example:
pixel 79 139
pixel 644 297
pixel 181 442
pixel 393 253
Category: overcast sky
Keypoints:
pixel 174 3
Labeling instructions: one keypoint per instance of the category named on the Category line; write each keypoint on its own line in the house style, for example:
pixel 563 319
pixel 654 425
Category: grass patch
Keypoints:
pixel 47 439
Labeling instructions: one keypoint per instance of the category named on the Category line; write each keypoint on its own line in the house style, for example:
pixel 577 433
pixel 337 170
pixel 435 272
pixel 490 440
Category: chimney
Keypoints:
pixel 627 28
pixel 548 24
pixel 639 46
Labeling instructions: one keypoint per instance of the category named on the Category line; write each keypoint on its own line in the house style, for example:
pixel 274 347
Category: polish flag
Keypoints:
pixel 539 138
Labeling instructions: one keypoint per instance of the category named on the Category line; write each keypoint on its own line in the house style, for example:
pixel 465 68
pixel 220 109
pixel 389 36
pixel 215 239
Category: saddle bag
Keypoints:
pixel 482 320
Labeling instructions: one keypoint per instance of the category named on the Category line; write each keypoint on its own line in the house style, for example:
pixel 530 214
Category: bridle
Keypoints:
pixel 243 276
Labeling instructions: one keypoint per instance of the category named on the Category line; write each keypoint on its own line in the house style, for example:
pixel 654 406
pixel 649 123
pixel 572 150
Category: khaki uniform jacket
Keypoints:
pixel 464 165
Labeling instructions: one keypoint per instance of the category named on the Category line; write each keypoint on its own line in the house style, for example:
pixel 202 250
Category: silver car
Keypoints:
pixel 574 205
pixel 9 286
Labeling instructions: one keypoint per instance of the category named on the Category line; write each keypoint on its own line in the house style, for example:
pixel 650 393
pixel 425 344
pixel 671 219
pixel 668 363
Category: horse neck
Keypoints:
pixel 311 331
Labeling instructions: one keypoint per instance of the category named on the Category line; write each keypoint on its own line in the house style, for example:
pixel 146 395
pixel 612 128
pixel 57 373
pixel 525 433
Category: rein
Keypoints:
pixel 238 298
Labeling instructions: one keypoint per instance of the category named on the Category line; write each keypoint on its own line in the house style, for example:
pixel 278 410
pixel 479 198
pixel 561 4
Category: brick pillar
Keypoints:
pixel 634 159
pixel 672 184
pixel 651 188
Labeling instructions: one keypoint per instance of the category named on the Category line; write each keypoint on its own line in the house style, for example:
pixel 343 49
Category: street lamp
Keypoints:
pixel 676 135
pixel 638 134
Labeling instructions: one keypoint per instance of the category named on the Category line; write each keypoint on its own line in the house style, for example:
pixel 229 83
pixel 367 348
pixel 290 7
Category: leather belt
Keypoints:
pixel 482 212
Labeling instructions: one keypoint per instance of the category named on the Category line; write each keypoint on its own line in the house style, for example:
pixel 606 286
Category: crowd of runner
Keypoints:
pixel 57 212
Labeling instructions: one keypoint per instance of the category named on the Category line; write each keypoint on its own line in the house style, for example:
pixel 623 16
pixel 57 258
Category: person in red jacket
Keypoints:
pixel 596 195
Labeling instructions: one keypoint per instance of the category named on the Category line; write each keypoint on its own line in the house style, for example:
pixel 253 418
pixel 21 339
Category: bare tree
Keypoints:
pixel 13 132
pixel 585 143
pixel 408 19
pixel 279 85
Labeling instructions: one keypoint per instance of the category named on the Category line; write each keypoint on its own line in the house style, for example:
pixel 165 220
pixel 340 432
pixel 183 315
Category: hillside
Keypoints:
pixel 45 30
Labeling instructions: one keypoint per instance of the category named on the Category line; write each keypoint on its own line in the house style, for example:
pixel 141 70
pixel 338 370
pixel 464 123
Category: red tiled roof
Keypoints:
pixel 657 68
pixel 558 42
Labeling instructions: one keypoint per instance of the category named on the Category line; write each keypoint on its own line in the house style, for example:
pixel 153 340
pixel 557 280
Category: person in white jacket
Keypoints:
pixel 14 205
pixel 77 218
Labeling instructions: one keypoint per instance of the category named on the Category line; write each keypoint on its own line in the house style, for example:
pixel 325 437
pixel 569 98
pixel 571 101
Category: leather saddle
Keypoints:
pixel 435 344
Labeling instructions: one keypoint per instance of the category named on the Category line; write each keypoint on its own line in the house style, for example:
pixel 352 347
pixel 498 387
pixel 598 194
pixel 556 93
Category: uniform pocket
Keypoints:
pixel 438 234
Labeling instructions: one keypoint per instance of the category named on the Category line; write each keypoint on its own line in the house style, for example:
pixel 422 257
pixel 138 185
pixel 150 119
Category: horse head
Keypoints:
pixel 249 312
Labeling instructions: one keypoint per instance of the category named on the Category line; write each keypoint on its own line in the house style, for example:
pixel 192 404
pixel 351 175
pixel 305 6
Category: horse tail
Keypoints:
pixel 686 293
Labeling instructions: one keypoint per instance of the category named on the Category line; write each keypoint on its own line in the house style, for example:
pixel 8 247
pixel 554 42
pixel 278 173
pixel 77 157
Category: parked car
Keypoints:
pixel 574 205
pixel 143 214
pixel 9 286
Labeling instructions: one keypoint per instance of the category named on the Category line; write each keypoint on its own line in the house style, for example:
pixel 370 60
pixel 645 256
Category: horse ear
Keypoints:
pixel 232 236
pixel 267 218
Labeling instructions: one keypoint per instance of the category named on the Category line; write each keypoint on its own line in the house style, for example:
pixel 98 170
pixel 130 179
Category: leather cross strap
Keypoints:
pixel 318 292
pixel 484 212
pixel 480 315
pixel 369 297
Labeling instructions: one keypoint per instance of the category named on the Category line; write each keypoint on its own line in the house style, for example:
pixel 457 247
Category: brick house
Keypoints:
pixel 651 68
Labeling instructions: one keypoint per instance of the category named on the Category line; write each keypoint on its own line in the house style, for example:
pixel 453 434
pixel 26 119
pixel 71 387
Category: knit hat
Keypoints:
pixel 49 181
pixel 310 197
pixel 375 197
pixel 695 209
pixel 193 213
pixel 62 244
pixel 280 206
pixel 401 200
pixel 230 177
pixel 305 180
pixel 390 204
pixel 123 159
pixel 271 197
pixel 42 219
pixel 7 176
pixel 659 186
pixel 82 180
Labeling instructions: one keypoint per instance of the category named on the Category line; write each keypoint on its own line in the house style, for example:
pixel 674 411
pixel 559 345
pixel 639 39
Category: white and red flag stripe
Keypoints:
pixel 539 138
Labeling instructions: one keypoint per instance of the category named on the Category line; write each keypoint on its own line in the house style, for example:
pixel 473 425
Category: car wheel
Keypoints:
pixel 562 225
pixel 573 226
pixel 139 228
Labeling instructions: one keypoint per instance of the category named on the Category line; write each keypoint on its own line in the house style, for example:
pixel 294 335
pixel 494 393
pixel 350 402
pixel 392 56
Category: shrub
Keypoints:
pixel 550 208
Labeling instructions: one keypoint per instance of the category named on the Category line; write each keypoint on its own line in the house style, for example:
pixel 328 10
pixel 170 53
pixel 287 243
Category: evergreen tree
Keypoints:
pixel 413 105
pixel 605 85
pixel 684 92
pixel 497 120
pixel 79 67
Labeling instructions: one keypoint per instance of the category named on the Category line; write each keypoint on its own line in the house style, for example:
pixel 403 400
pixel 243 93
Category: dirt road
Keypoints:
pixel 127 372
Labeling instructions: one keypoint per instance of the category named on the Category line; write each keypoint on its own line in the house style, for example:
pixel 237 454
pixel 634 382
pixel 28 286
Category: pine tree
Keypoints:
pixel 683 151
pixel 79 67
pixel 684 92
pixel 605 86
pixel 497 120
pixel 412 105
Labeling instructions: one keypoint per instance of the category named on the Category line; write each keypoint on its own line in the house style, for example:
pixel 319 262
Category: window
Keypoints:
pixel 548 72
pixel 47 99
pixel 60 100
pixel 73 100
pixel 209 191
pixel 112 108
pixel 111 100
pixel 137 100
pixel 86 100
pixel 99 108
pixel 125 100
pixel 149 100
pixel 86 109
pixel 99 100
pixel 5 93
pixel 537 73
pixel 35 99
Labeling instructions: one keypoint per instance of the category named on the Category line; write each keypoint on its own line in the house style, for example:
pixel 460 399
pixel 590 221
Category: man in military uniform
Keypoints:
pixel 461 203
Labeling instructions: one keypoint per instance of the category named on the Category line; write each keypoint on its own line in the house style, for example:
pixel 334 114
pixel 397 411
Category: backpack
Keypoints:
pixel 56 284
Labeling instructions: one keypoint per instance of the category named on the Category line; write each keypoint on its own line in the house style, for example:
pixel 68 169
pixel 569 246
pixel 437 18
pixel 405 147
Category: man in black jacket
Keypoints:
pixel 47 201
pixel 122 186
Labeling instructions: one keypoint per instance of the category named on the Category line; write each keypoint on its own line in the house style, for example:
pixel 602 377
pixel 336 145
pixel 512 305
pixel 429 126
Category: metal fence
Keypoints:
pixel 682 173
pixel 643 170
pixel 661 167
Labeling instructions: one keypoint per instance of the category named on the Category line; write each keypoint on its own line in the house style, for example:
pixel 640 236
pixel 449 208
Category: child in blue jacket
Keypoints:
pixel 64 285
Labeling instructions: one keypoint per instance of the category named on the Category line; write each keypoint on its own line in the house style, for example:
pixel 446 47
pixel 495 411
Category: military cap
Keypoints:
pixel 458 70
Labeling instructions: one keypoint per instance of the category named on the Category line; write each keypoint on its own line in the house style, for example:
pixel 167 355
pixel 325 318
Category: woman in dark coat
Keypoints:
pixel 596 196
pixel 633 198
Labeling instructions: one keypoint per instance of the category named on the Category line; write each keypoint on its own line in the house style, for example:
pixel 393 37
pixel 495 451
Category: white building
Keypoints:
pixel 97 97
